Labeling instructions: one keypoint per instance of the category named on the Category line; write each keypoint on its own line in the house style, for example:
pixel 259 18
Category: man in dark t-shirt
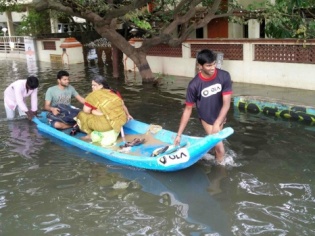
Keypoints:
pixel 211 91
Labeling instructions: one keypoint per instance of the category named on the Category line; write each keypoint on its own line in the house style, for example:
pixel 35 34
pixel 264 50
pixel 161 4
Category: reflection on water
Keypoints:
pixel 23 139
pixel 48 187
pixel 276 191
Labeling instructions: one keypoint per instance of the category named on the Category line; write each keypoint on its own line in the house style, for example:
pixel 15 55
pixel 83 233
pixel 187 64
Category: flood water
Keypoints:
pixel 50 188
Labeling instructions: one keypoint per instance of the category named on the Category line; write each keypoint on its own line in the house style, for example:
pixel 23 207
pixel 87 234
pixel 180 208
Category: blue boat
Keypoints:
pixel 157 152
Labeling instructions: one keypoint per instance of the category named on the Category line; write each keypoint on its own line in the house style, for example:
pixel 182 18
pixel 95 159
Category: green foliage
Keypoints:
pixel 284 19
pixel 10 6
pixel 139 19
pixel 142 24
pixel 34 23
pixel 290 19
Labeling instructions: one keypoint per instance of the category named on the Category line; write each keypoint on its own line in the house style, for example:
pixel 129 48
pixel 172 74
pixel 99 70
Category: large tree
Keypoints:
pixel 174 21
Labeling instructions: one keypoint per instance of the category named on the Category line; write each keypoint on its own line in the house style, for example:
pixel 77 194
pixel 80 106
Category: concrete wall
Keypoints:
pixel 236 31
pixel 291 75
pixel 67 50
pixel 44 55
pixel 72 55
pixel 16 17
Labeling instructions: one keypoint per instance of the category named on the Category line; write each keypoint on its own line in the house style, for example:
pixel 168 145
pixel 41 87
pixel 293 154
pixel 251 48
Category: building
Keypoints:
pixel 11 20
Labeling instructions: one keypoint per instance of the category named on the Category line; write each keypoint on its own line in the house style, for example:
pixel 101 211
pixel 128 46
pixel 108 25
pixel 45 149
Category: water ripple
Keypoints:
pixel 48 187
pixel 292 212
pixel 55 227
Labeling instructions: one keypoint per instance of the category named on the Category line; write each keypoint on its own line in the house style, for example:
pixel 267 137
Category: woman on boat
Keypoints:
pixel 103 114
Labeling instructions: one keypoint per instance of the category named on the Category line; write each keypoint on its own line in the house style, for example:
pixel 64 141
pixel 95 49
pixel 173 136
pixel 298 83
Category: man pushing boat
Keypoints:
pixel 211 91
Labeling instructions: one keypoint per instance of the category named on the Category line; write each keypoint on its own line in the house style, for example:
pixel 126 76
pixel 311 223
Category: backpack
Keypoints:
pixel 66 114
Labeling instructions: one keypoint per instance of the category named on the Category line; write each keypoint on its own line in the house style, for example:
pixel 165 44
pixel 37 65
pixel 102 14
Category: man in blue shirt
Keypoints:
pixel 211 91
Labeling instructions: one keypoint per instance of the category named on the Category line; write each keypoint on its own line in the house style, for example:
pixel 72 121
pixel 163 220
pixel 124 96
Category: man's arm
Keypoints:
pixel 34 100
pixel 127 111
pixel 223 112
pixel 48 107
pixel 80 99
pixel 48 100
pixel 183 123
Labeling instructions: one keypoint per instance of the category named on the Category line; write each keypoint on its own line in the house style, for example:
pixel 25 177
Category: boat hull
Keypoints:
pixel 188 153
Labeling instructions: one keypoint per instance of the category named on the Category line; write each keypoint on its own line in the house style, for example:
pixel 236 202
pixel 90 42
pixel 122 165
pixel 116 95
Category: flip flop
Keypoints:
pixel 167 149
pixel 135 142
pixel 75 130
pixel 159 151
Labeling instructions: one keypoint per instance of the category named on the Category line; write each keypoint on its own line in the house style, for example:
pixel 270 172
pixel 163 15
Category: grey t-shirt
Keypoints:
pixel 60 96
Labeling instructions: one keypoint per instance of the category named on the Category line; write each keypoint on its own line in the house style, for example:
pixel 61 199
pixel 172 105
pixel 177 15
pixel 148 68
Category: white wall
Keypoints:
pixel 291 75
pixel 44 55
pixel 236 31
pixel 253 29
pixel 71 56
pixel 16 17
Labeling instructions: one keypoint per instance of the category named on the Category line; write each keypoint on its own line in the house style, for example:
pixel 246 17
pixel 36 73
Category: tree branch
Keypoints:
pixel 73 8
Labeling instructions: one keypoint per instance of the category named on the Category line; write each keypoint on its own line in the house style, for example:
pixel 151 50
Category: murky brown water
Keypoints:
pixel 47 187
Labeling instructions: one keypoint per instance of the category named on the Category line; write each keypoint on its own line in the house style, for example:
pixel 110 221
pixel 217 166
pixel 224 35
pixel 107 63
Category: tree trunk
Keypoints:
pixel 85 54
pixel 115 62
pixel 137 55
pixel 140 59
pixel 106 26
pixel 99 52
pixel 108 55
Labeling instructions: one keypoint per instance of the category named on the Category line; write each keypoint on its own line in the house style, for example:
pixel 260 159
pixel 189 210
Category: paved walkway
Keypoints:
pixel 295 96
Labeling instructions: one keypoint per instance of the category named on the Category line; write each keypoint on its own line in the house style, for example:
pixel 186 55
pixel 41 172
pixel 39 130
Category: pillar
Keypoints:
pixel 253 29
pixel 10 23
pixel 53 25
pixel 99 52
pixel 115 59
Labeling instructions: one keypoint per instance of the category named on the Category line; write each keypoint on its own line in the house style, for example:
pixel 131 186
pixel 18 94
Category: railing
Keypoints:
pixel 286 50
pixel 165 50
pixel 12 44
pixel 230 51
pixel 298 53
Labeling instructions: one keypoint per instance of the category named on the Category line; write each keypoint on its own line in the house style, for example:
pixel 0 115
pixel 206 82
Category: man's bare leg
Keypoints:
pixel 219 148
pixel 60 125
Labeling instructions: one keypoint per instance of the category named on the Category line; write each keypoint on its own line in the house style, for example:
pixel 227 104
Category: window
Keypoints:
pixel 49 45
pixel 199 33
